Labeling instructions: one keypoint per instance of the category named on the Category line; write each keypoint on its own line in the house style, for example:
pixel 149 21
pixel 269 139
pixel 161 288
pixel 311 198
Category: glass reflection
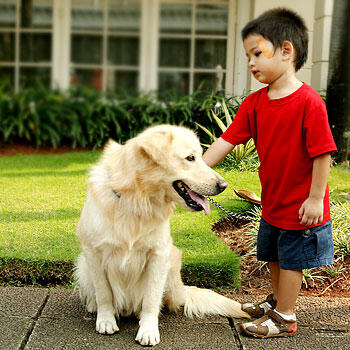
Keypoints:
pixel 8 13
pixel 124 16
pixel 36 13
pixel 211 19
pixel 175 18
pixel 174 53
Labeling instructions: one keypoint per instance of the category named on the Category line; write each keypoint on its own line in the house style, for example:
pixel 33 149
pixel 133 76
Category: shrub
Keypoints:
pixel 341 236
pixel 341 228
pixel 242 157
pixel 87 118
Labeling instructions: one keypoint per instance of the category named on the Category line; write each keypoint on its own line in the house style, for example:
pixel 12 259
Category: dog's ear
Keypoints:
pixel 155 146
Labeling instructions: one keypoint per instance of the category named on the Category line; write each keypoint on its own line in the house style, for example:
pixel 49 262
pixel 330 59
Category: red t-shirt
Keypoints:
pixel 288 133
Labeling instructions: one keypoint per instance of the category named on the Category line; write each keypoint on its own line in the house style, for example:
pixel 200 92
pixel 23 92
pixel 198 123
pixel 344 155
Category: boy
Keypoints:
pixel 288 122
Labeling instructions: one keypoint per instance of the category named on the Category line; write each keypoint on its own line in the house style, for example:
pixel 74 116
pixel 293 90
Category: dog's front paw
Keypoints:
pixel 148 333
pixel 106 325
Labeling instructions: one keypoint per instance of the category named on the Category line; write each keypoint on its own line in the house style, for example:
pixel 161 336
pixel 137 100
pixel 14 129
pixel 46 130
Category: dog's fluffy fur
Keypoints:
pixel 128 262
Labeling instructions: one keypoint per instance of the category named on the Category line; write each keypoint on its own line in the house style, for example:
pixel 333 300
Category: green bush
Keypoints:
pixel 340 213
pixel 341 228
pixel 242 157
pixel 87 118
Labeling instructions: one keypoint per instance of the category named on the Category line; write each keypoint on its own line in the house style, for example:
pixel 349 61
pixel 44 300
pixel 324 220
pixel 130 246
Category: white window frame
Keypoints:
pixel 236 72
pixel 60 76
pixel 17 31
pixel 230 43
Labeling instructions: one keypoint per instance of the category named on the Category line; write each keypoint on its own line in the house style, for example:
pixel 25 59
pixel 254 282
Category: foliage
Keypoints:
pixel 341 236
pixel 82 117
pixel 242 157
pixel 341 228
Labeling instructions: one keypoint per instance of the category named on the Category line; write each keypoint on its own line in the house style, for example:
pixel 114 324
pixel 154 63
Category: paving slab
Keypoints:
pixel 19 307
pixel 22 302
pixel 34 319
pixel 323 323
pixel 14 332
pixel 64 324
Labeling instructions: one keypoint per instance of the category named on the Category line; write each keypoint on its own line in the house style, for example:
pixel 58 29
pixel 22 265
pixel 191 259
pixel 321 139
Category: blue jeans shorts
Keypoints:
pixel 296 249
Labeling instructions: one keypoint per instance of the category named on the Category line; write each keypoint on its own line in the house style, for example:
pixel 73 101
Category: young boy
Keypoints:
pixel 288 122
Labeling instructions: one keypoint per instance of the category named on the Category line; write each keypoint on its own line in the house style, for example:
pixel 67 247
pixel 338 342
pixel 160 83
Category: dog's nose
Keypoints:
pixel 221 185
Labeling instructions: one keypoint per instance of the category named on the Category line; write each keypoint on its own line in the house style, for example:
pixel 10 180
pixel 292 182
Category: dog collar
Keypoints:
pixel 116 193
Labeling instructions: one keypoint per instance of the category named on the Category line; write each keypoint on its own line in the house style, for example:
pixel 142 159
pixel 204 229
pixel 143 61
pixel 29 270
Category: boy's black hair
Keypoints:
pixel 278 25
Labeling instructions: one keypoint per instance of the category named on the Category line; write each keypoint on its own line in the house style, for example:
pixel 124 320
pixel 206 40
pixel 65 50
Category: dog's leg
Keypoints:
pixel 105 322
pixel 155 278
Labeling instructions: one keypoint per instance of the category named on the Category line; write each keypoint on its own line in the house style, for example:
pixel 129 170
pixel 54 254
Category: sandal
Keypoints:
pixel 260 309
pixel 269 326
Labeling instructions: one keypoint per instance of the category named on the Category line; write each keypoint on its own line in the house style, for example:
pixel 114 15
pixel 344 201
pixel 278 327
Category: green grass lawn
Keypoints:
pixel 40 204
pixel 42 196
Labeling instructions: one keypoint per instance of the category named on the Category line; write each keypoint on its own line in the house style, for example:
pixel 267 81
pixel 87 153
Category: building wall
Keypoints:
pixel 92 43
pixel 321 46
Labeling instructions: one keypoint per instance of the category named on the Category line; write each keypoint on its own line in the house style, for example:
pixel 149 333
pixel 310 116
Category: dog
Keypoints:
pixel 128 264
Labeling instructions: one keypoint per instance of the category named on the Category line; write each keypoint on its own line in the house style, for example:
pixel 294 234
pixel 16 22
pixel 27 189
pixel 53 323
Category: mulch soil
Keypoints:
pixel 11 150
pixel 254 277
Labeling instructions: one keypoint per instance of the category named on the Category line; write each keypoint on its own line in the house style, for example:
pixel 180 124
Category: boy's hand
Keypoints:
pixel 311 212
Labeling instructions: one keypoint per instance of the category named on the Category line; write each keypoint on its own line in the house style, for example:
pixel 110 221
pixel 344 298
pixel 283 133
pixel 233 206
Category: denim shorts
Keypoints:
pixel 296 249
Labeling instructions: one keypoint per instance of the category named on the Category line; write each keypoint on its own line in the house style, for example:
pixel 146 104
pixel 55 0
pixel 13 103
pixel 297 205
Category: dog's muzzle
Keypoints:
pixel 194 200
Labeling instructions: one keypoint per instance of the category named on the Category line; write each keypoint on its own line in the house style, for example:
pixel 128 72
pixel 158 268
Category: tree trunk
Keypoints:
pixel 338 87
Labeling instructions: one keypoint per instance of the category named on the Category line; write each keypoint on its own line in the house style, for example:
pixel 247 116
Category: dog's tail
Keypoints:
pixel 200 302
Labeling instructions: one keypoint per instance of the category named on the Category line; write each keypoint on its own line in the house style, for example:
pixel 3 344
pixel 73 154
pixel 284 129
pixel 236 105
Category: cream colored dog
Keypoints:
pixel 128 262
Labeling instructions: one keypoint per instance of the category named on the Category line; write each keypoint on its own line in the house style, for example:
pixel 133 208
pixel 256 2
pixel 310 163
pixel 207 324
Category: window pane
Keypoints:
pixel 87 14
pixel 210 53
pixel 123 81
pixel 123 50
pixel 174 81
pixel 86 49
pixel 34 77
pixel 124 15
pixel 87 77
pixel 8 13
pixel 7 78
pixel 209 81
pixel 7 46
pixel 36 13
pixel 35 47
pixel 174 53
pixel 211 19
pixel 175 18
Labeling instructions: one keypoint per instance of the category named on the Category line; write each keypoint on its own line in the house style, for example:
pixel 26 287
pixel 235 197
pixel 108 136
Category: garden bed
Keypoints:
pixel 255 277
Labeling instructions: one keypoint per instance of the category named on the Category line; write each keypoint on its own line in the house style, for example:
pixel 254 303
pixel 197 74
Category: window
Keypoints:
pixel 192 45
pixel 105 39
pixel 25 43
pixel 117 45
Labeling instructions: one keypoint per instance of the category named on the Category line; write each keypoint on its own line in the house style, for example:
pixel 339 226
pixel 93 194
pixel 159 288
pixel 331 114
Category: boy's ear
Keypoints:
pixel 287 49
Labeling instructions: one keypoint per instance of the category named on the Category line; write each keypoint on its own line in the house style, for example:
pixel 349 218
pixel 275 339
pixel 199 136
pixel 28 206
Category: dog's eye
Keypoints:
pixel 191 158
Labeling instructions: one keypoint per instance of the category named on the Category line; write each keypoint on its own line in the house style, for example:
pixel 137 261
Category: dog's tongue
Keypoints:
pixel 200 200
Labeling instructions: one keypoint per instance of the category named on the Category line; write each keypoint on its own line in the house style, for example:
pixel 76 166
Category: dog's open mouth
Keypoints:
pixel 193 200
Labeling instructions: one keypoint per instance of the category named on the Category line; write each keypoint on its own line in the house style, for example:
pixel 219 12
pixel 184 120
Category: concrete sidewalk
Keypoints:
pixel 39 318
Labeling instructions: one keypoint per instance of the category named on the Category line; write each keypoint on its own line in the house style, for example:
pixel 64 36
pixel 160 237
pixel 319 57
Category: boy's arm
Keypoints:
pixel 311 211
pixel 217 152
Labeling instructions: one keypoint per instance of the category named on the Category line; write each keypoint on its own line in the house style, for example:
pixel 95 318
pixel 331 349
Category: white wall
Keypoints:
pixel 322 37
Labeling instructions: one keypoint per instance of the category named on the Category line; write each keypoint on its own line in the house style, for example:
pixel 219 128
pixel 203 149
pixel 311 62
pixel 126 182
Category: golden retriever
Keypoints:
pixel 128 262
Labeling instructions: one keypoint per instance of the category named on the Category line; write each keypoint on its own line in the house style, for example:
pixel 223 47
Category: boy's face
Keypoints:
pixel 266 63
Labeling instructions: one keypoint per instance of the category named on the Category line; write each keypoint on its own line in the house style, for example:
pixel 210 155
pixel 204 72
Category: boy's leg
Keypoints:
pixel 288 289
pixel 266 251
pixel 275 276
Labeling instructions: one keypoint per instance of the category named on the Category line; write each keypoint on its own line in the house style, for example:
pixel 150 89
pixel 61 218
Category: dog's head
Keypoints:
pixel 171 164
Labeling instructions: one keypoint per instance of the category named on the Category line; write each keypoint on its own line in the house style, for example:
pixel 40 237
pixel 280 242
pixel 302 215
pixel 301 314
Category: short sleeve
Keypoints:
pixel 239 131
pixel 319 138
